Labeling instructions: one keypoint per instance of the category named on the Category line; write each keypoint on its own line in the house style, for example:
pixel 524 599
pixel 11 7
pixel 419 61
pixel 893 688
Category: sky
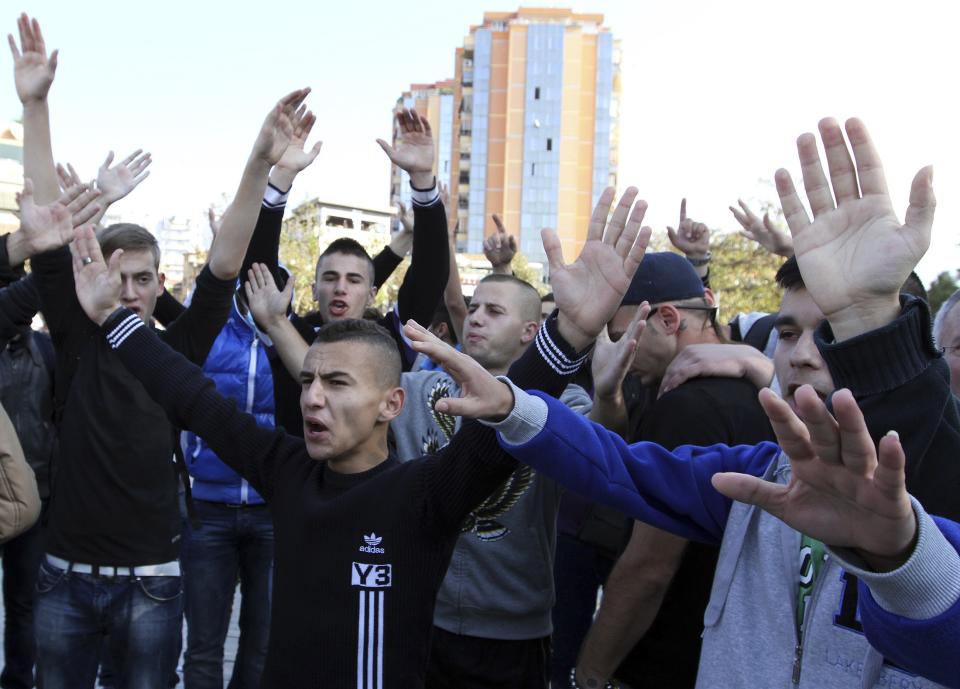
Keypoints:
pixel 714 93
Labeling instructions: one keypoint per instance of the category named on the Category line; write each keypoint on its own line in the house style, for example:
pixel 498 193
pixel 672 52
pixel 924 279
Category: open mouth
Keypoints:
pixel 314 430
pixel 338 308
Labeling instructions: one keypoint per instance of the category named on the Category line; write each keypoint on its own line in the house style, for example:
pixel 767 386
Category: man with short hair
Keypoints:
pixel 362 540
pixel 346 277
pixel 111 566
pixel 647 628
pixel 783 609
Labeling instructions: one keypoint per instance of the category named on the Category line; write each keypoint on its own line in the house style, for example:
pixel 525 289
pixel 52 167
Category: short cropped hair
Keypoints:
pixel 528 302
pixel 442 315
pixel 388 365
pixel 128 237
pixel 350 247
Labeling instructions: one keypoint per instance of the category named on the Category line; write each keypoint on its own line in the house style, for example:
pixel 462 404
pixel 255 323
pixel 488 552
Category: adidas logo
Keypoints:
pixel 372 540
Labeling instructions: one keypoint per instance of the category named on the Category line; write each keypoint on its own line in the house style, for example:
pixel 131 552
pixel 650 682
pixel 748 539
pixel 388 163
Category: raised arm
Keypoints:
pixel 500 248
pixel 33 73
pixel 453 292
pixel 693 239
pixel 189 398
pixel 423 284
pixel 239 220
pixel 19 303
pixel 269 308
pixel 113 182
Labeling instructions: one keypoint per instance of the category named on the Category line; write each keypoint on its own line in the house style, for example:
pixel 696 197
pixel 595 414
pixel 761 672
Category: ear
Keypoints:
pixel 669 318
pixel 391 405
pixel 709 296
pixel 530 329
pixel 440 330
pixel 161 279
pixel 313 291
pixel 371 296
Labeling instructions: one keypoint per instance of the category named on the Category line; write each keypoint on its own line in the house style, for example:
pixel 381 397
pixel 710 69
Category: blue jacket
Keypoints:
pixel 239 367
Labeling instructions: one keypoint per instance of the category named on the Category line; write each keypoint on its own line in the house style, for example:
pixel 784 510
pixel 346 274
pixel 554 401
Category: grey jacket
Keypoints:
pixel 499 584
pixel 750 637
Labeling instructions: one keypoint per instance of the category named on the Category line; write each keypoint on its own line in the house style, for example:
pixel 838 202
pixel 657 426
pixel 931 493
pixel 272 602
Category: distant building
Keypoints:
pixel 177 238
pixel 536 96
pixel 11 174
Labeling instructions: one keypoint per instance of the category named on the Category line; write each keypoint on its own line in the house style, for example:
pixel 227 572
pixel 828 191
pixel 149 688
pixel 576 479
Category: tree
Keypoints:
pixel 941 288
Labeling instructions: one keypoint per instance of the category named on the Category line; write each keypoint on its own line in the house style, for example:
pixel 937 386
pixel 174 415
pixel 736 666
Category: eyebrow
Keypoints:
pixel 306 374
pixel 330 273
pixel 784 320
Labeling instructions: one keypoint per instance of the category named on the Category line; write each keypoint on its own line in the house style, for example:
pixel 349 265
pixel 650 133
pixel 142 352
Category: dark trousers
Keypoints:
pixel 232 543
pixel 469 662
pixel 579 571
pixel 21 560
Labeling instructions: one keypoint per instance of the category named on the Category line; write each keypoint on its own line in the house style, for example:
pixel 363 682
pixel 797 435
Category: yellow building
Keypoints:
pixel 539 99
pixel 532 113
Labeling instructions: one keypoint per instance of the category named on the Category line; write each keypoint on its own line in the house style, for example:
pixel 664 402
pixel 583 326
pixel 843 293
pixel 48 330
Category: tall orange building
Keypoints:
pixel 536 93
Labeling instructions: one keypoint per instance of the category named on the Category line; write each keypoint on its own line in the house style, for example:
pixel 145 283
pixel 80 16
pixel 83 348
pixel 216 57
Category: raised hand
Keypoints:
pixel 98 284
pixel 690 237
pixel 481 395
pixel 267 304
pixel 855 254
pixel 611 360
pixel 45 228
pixel 589 290
pixel 296 158
pixel 67 177
pixel 213 221
pixel 415 151
pixel 763 232
pixel 842 491
pixel 500 247
pixel 402 241
pixel 277 132
pixel 118 181
pixel 33 71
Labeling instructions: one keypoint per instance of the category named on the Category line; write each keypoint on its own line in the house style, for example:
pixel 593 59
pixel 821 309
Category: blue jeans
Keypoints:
pixel 21 560
pixel 140 615
pixel 232 542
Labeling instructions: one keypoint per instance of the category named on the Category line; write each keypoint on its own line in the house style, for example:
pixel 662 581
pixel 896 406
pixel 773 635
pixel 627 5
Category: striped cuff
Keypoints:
pixel 119 325
pixel 273 198
pixel 553 355
pixel 425 197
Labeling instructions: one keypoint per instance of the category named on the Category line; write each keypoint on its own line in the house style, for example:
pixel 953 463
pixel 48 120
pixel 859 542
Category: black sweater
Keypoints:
pixel 114 498
pixel 358 558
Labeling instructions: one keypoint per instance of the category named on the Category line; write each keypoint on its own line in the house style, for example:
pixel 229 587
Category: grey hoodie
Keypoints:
pixel 499 584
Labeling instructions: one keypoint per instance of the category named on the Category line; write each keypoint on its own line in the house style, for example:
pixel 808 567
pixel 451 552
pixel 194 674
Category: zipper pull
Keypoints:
pixel 797 658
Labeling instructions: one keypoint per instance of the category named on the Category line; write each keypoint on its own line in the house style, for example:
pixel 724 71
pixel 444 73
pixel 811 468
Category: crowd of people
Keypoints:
pixel 435 496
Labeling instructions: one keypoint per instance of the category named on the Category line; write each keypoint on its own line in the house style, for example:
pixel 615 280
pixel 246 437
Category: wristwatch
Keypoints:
pixel 700 261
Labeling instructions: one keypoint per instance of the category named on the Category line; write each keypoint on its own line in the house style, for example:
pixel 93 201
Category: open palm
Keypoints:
pixel 589 291
pixel 842 491
pixel 277 131
pixel 855 251
pixel 414 150
pixel 33 71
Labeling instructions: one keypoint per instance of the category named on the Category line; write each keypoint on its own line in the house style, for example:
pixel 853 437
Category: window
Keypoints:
pixel 549 144
pixel 536 93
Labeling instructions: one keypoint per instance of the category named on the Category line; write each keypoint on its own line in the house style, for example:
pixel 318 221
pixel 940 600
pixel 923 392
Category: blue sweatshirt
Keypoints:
pixel 861 629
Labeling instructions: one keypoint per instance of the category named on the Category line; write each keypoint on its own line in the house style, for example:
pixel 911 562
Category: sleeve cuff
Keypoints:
pixel 425 197
pixel 927 585
pixel 119 325
pixel 882 359
pixel 555 351
pixel 525 420
pixel 273 198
